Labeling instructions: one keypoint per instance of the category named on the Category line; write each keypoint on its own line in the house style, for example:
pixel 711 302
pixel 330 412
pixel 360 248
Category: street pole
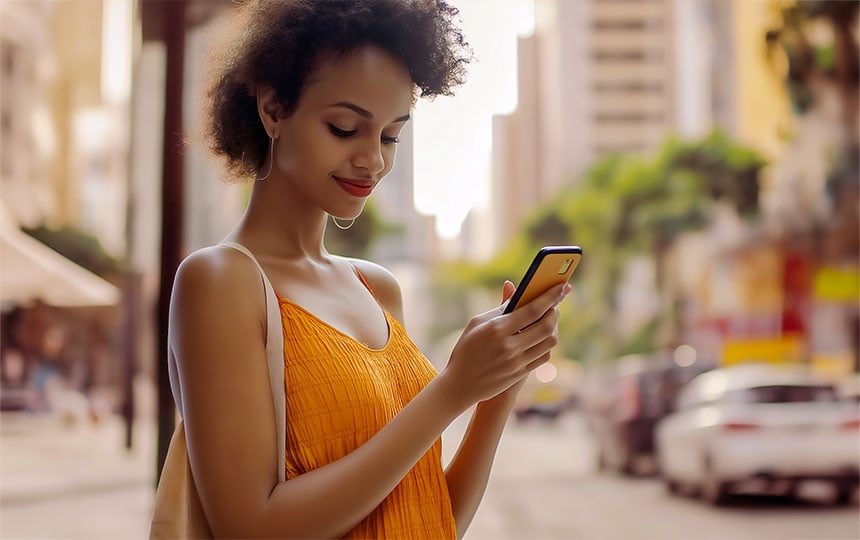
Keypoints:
pixel 173 16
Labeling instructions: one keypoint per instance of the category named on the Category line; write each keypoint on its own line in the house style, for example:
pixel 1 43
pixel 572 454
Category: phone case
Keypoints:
pixel 552 265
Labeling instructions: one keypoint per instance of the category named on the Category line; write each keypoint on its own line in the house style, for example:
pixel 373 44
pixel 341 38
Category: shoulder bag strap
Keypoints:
pixel 274 355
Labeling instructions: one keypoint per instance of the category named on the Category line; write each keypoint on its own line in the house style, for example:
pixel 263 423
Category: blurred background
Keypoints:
pixel 703 153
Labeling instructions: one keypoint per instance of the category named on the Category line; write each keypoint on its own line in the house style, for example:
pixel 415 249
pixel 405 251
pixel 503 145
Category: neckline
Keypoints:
pixel 341 333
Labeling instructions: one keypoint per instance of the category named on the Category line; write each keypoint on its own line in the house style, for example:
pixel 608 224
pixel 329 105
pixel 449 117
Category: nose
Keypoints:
pixel 370 157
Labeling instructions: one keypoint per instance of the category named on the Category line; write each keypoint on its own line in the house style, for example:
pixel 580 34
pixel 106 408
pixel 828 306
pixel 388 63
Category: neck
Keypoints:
pixel 277 224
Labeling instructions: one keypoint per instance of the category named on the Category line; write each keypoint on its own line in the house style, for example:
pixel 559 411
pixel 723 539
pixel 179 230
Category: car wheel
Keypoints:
pixel 627 463
pixel 672 486
pixel 844 493
pixel 602 466
pixel 714 490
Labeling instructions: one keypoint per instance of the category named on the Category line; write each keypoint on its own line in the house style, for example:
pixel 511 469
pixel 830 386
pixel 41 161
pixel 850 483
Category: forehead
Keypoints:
pixel 369 77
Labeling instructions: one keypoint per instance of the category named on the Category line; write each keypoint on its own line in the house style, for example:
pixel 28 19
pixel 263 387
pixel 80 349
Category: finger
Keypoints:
pixel 525 315
pixel 536 363
pixel 541 347
pixel 508 290
pixel 539 330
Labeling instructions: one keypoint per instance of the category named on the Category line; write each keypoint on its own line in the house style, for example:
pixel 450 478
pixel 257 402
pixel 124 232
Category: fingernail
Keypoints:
pixel 566 289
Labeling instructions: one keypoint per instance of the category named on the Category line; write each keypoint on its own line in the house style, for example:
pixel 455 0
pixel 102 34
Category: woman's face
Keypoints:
pixel 341 139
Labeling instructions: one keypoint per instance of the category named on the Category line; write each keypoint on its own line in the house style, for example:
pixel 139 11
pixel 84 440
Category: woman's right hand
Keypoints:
pixel 497 350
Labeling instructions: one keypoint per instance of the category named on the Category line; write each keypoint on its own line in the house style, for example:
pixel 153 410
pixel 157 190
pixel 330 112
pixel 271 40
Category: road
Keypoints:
pixel 545 487
pixel 70 485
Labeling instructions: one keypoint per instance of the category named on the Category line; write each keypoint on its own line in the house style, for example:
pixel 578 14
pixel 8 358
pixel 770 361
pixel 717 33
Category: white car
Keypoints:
pixel 759 428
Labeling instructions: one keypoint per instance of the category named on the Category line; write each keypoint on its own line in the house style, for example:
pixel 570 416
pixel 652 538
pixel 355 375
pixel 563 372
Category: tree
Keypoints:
pixel 813 44
pixel 80 247
pixel 624 207
pixel 359 239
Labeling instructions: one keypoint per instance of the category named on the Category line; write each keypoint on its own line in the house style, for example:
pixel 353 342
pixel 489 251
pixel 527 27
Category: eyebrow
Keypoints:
pixel 364 112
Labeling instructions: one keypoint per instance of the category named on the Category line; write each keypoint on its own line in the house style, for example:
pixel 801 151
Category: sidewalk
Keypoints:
pixel 74 481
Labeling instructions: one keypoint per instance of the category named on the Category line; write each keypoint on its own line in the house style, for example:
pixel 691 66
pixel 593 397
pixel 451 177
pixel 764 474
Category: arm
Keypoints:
pixel 469 471
pixel 218 335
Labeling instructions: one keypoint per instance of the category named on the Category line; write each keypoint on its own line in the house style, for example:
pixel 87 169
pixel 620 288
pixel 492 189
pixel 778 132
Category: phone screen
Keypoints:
pixel 552 265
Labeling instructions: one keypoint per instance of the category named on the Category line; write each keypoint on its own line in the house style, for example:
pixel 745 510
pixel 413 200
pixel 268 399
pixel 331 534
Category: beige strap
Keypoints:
pixel 275 357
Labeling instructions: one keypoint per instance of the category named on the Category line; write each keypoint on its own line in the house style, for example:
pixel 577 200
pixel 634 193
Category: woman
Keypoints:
pixel 310 100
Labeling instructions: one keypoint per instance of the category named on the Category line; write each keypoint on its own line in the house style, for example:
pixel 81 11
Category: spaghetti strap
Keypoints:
pixel 364 281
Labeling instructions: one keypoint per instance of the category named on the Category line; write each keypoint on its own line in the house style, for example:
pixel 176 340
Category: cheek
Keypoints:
pixel 295 156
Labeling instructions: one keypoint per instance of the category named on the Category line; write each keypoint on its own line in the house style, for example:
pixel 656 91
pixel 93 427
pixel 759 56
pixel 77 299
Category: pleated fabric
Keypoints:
pixel 340 393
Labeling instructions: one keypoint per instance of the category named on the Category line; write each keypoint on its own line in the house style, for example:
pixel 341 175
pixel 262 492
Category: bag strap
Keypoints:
pixel 274 356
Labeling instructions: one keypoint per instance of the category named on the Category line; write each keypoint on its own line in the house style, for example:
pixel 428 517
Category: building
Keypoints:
pixel 597 77
pixel 619 76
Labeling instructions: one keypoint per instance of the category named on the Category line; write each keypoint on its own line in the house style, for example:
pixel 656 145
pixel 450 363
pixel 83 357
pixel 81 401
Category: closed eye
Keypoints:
pixel 342 133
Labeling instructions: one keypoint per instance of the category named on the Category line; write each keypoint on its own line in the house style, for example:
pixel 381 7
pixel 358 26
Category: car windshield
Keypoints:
pixel 783 394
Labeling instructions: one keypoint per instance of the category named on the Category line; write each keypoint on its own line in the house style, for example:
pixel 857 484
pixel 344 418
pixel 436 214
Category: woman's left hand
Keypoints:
pixel 509 396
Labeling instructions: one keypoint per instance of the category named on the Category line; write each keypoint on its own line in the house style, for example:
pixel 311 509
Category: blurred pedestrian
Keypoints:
pixel 309 98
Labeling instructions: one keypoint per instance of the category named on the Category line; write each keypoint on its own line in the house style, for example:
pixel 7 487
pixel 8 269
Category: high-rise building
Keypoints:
pixel 597 77
pixel 619 76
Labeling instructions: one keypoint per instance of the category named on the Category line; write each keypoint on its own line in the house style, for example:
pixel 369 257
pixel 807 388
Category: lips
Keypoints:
pixel 356 187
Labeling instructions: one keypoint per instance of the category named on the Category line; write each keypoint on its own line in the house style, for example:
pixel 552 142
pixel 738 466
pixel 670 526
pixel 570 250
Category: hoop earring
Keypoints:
pixel 342 227
pixel 271 158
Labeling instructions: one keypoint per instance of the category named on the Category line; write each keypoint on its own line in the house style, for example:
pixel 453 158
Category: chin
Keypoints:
pixel 347 213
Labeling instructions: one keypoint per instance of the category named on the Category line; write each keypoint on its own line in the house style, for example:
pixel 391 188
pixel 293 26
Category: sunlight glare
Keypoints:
pixel 453 136
pixel 546 373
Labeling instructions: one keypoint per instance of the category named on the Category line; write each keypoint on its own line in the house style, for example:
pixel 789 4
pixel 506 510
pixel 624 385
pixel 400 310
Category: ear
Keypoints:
pixel 270 110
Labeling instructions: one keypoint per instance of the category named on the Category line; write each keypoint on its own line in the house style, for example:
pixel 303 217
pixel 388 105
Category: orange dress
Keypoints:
pixel 339 394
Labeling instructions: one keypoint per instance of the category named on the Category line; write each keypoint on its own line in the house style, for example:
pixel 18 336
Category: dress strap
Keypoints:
pixel 364 281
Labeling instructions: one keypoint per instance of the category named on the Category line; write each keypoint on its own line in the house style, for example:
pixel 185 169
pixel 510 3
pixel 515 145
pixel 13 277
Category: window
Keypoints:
pixel 629 55
pixel 629 86
pixel 783 394
pixel 627 24
pixel 629 117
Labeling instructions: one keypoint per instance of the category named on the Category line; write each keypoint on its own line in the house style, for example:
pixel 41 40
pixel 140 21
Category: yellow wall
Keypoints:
pixel 763 107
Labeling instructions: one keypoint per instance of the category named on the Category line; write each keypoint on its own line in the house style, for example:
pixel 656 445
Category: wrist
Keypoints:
pixel 448 397
pixel 503 402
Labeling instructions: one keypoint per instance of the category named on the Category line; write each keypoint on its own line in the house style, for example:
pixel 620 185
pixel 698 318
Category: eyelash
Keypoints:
pixel 344 134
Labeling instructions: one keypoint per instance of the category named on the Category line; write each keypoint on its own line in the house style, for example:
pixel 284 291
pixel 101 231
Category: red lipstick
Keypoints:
pixel 356 188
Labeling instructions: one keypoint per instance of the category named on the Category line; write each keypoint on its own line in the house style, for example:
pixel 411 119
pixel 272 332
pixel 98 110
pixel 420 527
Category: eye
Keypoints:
pixel 390 140
pixel 342 133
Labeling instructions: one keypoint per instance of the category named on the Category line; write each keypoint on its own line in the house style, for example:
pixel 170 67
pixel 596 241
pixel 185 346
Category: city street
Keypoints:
pixel 545 486
pixel 69 483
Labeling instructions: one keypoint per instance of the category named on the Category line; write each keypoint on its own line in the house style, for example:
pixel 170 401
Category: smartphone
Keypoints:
pixel 552 265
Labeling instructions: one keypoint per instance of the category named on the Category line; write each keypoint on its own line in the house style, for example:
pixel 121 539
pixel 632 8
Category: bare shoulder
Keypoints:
pixel 216 278
pixel 218 334
pixel 211 269
pixel 384 285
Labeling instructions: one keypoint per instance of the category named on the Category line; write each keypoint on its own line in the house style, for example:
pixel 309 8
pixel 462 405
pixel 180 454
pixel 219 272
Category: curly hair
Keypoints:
pixel 278 44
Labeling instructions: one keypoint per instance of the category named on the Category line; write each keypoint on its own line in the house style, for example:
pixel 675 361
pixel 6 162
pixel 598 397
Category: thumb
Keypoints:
pixel 507 290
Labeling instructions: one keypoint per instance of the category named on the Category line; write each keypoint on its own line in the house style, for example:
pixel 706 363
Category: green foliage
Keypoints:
pixel 82 248
pixel 451 300
pixel 623 207
pixel 809 61
pixel 358 240
pixel 644 340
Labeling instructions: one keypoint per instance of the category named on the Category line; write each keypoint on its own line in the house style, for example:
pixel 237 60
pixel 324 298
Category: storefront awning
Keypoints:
pixel 30 271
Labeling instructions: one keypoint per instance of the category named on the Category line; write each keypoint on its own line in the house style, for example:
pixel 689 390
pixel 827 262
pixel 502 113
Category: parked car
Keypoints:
pixel 849 388
pixel 625 404
pixel 550 398
pixel 759 428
